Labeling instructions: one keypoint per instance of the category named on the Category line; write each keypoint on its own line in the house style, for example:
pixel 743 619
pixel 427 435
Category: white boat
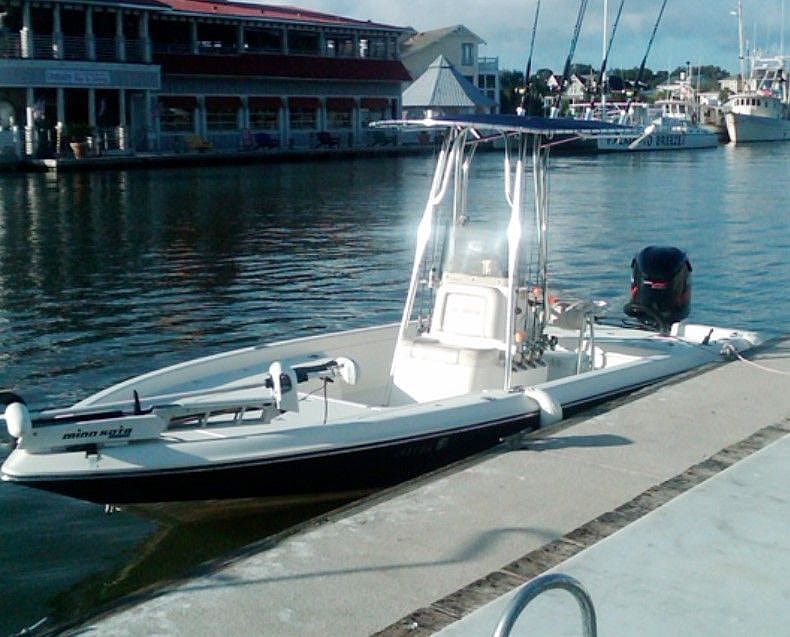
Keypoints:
pixel 483 352
pixel 761 112
pixel 671 124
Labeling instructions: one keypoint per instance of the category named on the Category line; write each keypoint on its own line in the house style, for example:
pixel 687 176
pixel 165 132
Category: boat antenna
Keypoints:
pixel 527 84
pixel 567 68
pixel 741 53
pixel 644 59
pixel 605 61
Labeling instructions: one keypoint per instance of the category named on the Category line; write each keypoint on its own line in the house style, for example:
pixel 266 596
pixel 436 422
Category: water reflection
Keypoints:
pixel 113 273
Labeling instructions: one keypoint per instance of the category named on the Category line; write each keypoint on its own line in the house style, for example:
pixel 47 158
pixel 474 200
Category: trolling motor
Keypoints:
pixel 660 287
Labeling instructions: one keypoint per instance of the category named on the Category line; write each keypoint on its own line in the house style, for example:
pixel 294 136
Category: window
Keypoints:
pixel 467 54
pixel 304 42
pixel 373 109
pixel 303 119
pixel 222 118
pixel 377 48
pixel 263 40
pixel 266 118
pixel 338 118
pixel 176 120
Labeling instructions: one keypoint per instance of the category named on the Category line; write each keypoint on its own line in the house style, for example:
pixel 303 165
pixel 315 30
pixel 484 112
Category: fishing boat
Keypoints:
pixel 484 351
pixel 760 110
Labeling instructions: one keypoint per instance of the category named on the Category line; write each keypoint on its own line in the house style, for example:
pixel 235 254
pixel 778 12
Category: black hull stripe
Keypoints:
pixel 358 468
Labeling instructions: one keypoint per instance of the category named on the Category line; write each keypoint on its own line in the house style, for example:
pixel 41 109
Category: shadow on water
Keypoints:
pixel 210 533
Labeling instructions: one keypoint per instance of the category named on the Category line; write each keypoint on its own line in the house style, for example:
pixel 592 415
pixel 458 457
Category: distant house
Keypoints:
pixel 575 87
pixel 460 47
pixel 443 89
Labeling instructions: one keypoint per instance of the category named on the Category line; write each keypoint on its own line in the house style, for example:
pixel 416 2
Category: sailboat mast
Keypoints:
pixel 604 53
pixel 528 70
pixel 608 49
pixel 741 53
pixel 576 31
pixel 649 46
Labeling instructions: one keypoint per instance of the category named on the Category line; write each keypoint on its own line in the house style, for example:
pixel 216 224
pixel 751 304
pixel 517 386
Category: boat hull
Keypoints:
pixel 360 468
pixel 659 141
pixel 743 128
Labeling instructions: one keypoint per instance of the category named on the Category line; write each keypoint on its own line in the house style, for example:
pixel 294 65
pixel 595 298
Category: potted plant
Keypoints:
pixel 78 135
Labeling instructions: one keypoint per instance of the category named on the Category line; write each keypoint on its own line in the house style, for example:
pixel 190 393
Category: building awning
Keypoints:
pixel 277 65
pixel 340 103
pixel 223 101
pixel 303 102
pixel 263 102
pixel 375 103
pixel 185 102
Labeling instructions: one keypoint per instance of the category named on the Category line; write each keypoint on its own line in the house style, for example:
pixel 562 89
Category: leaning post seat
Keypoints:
pixel 463 350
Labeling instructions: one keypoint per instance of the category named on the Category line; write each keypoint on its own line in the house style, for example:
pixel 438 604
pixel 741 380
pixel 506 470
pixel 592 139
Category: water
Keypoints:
pixel 107 275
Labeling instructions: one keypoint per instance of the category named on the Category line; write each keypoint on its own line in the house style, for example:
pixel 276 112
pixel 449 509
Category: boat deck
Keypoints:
pixel 593 499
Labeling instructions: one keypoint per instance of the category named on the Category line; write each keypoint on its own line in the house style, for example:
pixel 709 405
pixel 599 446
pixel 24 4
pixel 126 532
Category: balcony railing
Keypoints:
pixel 103 49
pixel 72 47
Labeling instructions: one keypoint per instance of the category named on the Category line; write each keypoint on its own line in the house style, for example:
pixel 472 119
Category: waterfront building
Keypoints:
pixel 461 48
pixel 442 89
pixel 170 74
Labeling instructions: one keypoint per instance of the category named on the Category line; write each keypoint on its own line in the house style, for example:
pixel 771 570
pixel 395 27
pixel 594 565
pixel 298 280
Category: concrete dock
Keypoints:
pixel 669 506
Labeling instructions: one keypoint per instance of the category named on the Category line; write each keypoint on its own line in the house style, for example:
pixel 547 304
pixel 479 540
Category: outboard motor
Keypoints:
pixel 660 287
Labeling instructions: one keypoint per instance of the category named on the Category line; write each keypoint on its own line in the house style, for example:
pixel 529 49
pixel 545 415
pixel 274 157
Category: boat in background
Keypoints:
pixel 670 124
pixel 483 352
pixel 761 112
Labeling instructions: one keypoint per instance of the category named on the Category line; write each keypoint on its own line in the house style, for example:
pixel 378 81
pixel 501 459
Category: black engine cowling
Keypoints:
pixel 660 287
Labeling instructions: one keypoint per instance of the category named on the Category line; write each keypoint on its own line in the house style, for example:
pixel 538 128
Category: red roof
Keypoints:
pixel 267 12
pixel 295 66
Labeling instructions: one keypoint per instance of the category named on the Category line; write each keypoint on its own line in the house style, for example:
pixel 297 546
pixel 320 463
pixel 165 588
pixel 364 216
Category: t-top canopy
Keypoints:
pixel 514 124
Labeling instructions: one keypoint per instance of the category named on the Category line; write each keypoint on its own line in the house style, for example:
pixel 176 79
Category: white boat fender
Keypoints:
pixel 284 387
pixel 550 410
pixel 16 416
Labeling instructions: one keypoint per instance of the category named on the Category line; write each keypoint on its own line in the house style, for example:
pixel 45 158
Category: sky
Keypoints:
pixel 695 31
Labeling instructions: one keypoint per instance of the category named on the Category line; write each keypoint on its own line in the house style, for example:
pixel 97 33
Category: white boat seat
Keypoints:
pixel 464 349
pixel 469 309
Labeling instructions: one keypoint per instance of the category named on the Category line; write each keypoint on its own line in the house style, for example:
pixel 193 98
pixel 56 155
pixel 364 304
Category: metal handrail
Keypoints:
pixel 540 585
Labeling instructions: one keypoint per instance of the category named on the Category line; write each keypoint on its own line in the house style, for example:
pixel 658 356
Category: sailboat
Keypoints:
pixel 484 351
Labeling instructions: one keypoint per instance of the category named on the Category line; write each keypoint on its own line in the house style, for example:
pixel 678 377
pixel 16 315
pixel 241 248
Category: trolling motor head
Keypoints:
pixel 660 287
pixel 16 416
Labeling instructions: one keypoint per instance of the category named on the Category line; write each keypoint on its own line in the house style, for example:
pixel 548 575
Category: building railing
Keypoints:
pixel 109 49
pixel 72 47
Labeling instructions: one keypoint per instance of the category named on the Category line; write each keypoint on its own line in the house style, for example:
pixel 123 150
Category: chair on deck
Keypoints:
pixel 328 140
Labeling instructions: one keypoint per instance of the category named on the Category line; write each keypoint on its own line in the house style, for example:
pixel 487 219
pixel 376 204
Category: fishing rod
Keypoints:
pixel 576 30
pixel 528 70
pixel 644 59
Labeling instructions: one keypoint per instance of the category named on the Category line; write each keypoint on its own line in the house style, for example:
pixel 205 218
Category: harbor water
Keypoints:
pixel 109 274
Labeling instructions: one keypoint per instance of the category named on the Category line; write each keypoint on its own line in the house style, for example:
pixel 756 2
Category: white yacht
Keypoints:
pixel 671 124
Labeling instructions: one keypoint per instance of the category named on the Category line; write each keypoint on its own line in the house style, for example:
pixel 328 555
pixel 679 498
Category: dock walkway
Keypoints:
pixel 596 499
